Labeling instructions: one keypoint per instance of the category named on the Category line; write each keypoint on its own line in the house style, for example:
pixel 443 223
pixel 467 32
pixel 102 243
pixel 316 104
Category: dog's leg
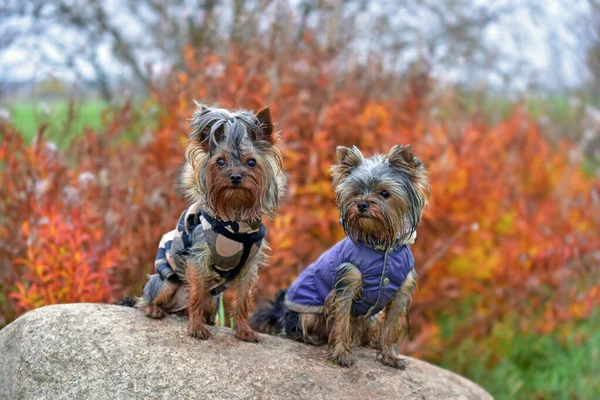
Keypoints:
pixel 196 327
pixel 210 309
pixel 245 283
pixel 338 312
pixel 392 326
pixel 152 310
pixel 367 332
pixel 313 328
pixel 157 293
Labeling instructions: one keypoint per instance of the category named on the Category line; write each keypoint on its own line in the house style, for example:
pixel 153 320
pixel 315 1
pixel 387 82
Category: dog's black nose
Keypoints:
pixel 362 206
pixel 235 178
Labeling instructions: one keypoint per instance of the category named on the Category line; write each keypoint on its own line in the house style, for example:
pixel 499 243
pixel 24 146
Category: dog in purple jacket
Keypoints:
pixel 337 300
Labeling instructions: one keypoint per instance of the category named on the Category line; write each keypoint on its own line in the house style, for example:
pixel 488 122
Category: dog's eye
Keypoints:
pixel 221 162
pixel 251 163
pixel 384 194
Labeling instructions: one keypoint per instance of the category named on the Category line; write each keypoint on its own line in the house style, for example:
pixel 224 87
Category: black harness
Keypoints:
pixel 246 239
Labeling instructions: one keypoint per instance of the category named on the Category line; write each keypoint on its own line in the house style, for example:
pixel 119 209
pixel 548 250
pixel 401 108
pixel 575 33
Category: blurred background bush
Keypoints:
pixel 500 98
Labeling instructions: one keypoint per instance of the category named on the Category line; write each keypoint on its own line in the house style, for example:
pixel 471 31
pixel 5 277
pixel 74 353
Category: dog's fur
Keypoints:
pixel 222 143
pixel 396 188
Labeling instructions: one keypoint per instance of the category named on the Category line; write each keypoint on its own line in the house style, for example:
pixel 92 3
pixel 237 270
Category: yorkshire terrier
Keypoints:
pixel 337 299
pixel 233 178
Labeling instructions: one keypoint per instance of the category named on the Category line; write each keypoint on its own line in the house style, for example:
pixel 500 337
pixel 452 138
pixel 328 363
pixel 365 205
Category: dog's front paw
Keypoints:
pixel 345 360
pixel 247 335
pixel 155 312
pixel 199 333
pixel 395 362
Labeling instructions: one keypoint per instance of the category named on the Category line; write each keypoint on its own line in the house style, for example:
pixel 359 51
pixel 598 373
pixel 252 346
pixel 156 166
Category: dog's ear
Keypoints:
pixel 348 158
pixel 207 131
pixel 266 125
pixel 402 157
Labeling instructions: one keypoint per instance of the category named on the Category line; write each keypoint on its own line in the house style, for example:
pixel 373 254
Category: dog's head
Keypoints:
pixel 381 198
pixel 234 163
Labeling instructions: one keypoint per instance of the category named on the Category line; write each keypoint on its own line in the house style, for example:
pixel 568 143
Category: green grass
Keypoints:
pixel 556 107
pixel 221 319
pixel 54 115
pixel 29 117
pixel 511 365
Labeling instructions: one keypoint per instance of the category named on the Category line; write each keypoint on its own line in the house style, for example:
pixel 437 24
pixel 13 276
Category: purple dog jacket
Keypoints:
pixel 308 292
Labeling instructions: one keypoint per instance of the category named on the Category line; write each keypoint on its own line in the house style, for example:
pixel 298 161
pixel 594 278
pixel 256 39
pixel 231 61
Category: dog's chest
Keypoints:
pixel 231 246
pixel 226 253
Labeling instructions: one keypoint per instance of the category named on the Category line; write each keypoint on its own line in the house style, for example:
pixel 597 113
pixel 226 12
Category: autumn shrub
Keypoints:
pixel 65 263
pixel 511 226
pixel 512 219
pixel 110 193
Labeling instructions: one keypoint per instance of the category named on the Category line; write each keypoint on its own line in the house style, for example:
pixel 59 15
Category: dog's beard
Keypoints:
pixel 370 230
pixel 369 225
pixel 236 203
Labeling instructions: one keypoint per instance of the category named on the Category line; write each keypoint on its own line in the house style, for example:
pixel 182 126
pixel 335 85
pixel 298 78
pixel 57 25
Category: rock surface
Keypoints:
pixel 94 351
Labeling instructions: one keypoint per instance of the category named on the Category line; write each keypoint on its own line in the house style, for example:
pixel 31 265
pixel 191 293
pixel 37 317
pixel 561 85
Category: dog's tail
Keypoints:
pixel 127 302
pixel 269 315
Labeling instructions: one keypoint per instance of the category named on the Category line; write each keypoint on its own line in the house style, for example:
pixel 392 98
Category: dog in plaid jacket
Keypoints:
pixel 233 178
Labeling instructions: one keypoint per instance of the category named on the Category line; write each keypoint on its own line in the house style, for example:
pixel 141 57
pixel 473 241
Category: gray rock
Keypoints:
pixel 95 351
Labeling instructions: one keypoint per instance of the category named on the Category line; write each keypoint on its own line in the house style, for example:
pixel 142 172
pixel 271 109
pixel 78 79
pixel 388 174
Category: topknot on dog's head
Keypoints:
pixel 234 144
pixel 210 126
pixel 381 198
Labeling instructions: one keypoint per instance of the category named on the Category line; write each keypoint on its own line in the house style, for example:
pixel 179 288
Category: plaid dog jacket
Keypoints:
pixel 231 245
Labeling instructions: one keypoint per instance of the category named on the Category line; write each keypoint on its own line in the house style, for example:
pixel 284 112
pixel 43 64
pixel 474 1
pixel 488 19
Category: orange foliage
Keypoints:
pixel 512 220
pixel 65 263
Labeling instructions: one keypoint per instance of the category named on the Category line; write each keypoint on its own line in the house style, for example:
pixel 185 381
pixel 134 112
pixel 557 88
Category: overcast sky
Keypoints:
pixel 550 48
